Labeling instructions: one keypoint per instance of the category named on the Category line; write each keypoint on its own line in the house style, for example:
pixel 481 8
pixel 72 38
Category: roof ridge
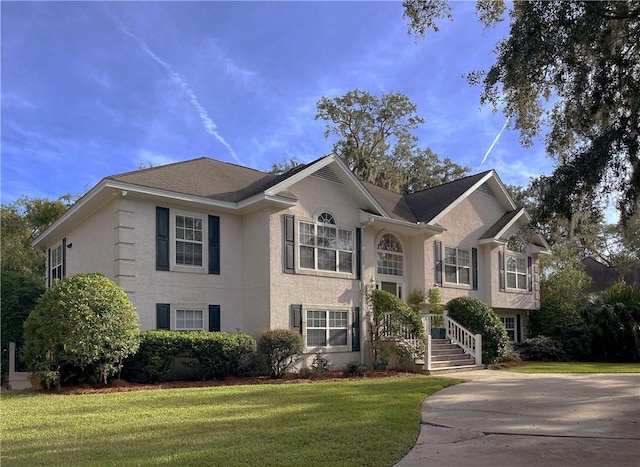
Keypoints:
pixel 452 181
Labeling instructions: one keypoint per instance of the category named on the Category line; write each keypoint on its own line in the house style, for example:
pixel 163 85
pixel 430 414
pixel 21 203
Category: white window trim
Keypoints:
pixel 503 319
pixel 189 306
pixel 327 349
pixel 58 265
pixel 205 243
pixel 445 264
pixel 338 227
pixel 401 254
pixel 517 256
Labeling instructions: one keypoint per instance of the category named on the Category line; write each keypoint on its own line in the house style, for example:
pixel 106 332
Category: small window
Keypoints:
pixel 516 273
pixel 189 246
pixel 326 328
pixel 457 265
pixel 390 256
pixel 510 324
pixel 189 320
pixel 56 263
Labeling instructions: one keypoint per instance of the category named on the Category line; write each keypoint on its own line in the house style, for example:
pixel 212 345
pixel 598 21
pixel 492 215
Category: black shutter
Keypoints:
pixel 162 239
pixel 163 314
pixel 49 267
pixel 358 253
pixel 474 267
pixel 438 256
pixel 501 266
pixel 214 318
pixel 355 329
pixel 530 272
pixel 64 258
pixel 289 244
pixel 518 336
pixel 296 317
pixel 214 245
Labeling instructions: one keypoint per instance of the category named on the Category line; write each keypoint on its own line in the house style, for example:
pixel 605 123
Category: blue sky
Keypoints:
pixel 91 89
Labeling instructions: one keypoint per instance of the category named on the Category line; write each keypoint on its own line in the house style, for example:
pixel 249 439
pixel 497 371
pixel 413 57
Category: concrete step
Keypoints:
pixel 456 369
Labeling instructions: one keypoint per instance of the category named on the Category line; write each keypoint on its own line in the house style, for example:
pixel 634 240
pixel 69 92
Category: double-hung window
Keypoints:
pixel 510 325
pixel 189 320
pixel 457 265
pixel 326 328
pixel 516 273
pixel 189 243
pixel 55 264
pixel 324 246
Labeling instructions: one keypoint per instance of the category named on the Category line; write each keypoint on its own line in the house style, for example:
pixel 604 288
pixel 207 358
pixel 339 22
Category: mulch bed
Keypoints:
pixel 120 385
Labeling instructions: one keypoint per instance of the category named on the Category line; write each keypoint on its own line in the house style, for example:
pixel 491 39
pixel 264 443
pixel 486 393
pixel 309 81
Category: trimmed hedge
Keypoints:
pixel 542 349
pixel 280 347
pixel 478 318
pixel 214 355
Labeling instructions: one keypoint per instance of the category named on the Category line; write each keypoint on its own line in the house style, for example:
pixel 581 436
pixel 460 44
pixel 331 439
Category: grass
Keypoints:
pixel 371 422
pixel 576 367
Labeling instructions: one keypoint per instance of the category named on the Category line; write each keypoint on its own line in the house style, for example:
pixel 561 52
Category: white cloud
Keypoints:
pixel 145 157
pixel 209 125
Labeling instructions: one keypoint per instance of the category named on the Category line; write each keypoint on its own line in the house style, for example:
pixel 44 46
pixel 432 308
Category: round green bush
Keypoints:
pixel 478 318
pixel 280 347
pixel 81 329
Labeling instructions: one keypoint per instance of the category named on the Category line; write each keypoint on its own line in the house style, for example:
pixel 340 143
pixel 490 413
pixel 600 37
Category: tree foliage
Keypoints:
pixel 284 165
pixel 82 327
pixel 571 67
pixel 20 223
pixel 376 142
pixel 614 318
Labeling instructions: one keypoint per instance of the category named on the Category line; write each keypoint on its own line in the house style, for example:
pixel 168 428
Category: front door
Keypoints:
pixel 392 287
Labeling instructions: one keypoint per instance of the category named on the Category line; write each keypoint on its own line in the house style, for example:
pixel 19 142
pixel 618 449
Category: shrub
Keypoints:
pixel 478 318
pixel 355 368
pixel 305 373
pixel 613 316
pixel 320 364
pixel 542 349
pixel 561 321
pixel 215 355
pixel 19 297
pixel 280 348
pixel 82 328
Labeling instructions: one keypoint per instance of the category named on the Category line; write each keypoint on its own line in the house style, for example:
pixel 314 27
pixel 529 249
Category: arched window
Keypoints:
pixel 325 247
pixel 390 256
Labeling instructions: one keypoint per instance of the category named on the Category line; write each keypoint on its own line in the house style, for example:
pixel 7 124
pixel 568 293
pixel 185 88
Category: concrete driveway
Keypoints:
pixel 502 418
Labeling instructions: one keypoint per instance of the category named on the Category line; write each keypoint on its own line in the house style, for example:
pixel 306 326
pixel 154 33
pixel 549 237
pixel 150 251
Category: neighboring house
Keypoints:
pixel 204 244
pixel 603 276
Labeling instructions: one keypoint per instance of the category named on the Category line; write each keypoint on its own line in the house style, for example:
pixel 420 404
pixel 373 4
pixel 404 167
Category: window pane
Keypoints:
pixel 337 337
pixel 463 275
pixel 326 237
pixel 326 260
pixel 450 255
pixel 522 265
pixel 316 338
pixel 307 234
pixel 450 274
pixel 316 319
pixel 345 264
pixel 337 319
pixel 326 218
pixel 511 263
pixel 345 241
pixel 307 257
pixel 522 281
pixel 389 242
pixel 511 281
pixel 463 257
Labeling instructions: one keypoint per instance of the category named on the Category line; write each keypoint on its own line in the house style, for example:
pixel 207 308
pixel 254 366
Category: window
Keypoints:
pixel 390 256
pixel 326 328
pixel 325 247
pixel 189 320
pixel 516 273
pixel 189 240
pixel 510 324
pixel 457 264
pixel 56 263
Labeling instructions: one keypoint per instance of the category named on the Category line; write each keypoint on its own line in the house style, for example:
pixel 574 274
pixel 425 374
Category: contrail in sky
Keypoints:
pixel 494 142
pixel 209 125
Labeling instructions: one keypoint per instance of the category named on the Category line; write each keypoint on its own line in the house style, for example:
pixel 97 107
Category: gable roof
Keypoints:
pixel 203 177
pixel 427 204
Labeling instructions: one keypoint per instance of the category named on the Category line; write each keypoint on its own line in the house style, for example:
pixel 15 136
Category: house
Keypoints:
pixel 603 276
pixel 204 244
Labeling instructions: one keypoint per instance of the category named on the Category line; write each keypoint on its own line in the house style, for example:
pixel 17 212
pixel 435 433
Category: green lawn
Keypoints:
pixel 576 367
pixel 371 422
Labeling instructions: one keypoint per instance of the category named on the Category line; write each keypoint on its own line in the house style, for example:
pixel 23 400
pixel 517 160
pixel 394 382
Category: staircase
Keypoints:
pixel 448 357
